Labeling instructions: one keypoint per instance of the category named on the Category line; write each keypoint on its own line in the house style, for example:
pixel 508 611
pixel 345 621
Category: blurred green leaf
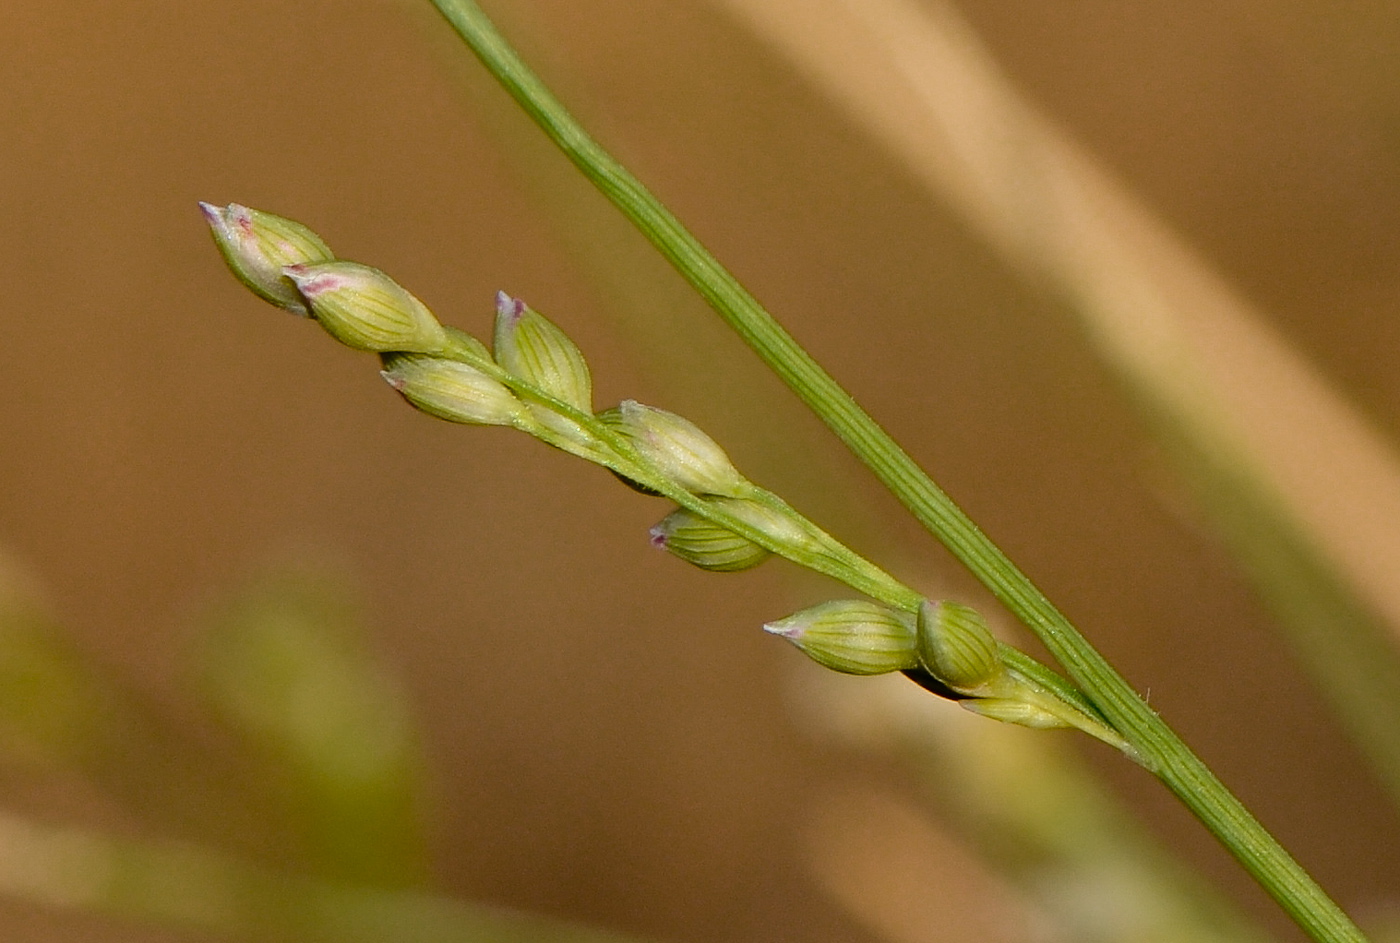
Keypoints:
pixel 286 665
pixel 64 714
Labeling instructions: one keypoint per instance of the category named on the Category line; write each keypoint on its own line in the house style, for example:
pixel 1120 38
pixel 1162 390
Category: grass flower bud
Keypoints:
pixel 451 390
pixel 698 540
pixel 679 450
pixel 852 636
pixel 365 309
pixel 702 542
pixel 956 646
pixel 705 544
pixel 530 346
pixel 258 245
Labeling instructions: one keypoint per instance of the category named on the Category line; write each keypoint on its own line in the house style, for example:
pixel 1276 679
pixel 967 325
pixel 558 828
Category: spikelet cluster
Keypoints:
pixel 535 378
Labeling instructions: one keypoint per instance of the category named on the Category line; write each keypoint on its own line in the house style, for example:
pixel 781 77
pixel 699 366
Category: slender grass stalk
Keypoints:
pixel 1161 749
pixel 1065 854
pixel 1196 359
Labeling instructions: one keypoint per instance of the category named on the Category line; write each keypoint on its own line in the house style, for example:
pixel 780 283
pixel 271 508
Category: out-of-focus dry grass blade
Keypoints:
pixel 908 881
pixel 1310 494
pixel 885 863
pixel 1086 869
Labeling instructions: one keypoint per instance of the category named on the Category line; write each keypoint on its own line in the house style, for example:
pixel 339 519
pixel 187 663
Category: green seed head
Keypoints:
pixel 710 546
pixel 852 636
pixel 679 450
pixel 258 245
pixel 365 309
pixel 704 543
pixel 530 346
pixel 956 646
pixel 451 390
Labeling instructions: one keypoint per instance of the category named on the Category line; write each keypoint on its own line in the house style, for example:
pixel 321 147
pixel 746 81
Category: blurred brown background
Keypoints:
pixel 610 735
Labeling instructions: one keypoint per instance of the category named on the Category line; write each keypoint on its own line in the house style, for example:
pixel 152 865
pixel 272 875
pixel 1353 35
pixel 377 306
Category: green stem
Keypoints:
pixel 1161 750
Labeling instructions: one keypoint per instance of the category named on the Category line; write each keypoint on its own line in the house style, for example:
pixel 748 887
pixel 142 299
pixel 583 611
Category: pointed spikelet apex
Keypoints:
pixel 257 246
pixel 530 346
